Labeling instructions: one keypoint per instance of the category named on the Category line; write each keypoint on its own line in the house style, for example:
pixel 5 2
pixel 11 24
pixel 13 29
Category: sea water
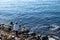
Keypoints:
pixel 34 14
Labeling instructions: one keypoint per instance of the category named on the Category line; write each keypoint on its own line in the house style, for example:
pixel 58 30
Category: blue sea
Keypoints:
pixel 36 15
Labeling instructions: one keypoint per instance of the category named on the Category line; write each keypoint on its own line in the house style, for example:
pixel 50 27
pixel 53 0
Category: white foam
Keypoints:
pixel 55 27
pixel 52 39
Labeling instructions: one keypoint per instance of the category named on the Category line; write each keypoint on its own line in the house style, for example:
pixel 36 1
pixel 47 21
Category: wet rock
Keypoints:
pixel 38 36
pixel 4 38
pixel 44 37
pixel 24 34
pixel 0 26
pixel 58 29
pixel 31 38
pixel 23 30
pixel 53 37
pixel 9 37
pixel 32 33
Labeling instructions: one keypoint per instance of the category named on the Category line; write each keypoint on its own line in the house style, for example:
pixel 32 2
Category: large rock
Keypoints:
pixel 32 33
pixel 23 30
pixel 44 37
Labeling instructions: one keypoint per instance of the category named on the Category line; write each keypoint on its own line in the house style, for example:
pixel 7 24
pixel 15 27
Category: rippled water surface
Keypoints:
pixel 31 13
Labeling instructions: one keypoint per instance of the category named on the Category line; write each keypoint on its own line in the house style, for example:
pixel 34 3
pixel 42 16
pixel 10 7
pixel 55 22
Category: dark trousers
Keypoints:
pixel 16 33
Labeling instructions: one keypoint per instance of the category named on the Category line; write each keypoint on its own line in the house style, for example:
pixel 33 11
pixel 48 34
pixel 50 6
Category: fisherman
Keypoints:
pixel 16 28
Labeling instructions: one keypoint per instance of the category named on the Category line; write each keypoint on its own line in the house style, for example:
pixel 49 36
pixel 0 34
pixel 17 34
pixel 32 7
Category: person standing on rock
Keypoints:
pixel 16 28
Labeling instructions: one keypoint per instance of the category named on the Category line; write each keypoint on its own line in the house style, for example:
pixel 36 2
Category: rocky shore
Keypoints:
pixel 23 34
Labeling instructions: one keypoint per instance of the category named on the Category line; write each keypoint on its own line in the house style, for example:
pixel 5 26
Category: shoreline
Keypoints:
pixel 23 34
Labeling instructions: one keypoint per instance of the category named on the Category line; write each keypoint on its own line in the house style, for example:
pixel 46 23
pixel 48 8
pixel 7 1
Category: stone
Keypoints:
pixel 32 33
pixel 23 30
pixel 44 37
